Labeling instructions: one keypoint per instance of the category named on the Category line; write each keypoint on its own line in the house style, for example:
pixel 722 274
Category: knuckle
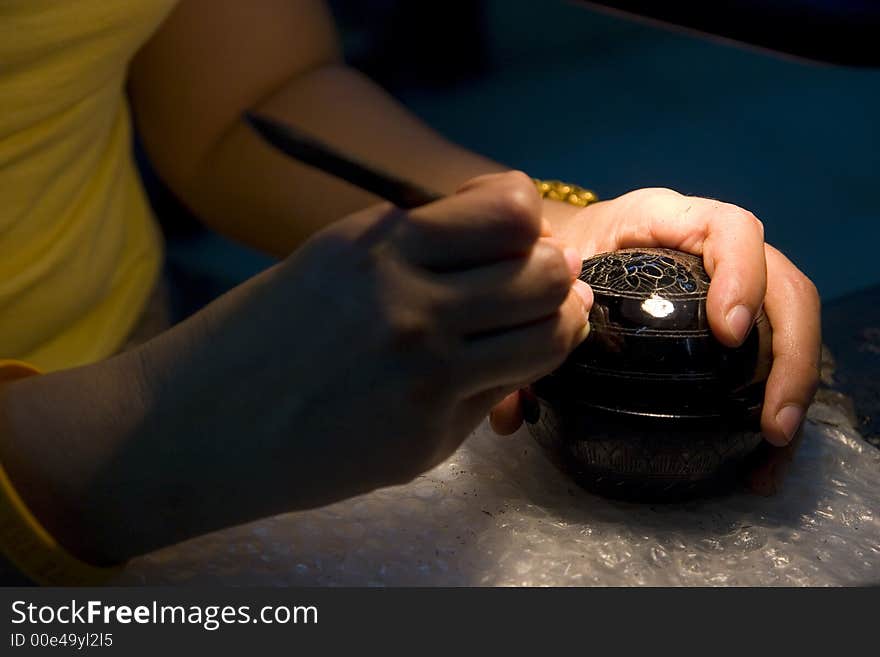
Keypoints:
pixel 553 269
pixel 753 221
pixel 759 225
pixel 405 327
pixel 652 193
pixel 518 209
pixel 663 191
pixel 804 289
pixel 520 180
pixel 812 292
pixel 442 303
pixel 737 216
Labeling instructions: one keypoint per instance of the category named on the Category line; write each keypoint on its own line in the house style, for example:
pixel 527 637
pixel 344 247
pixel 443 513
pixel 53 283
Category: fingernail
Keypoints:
pixel 789 420
pixel 585 292
pixel 573 258
pixel 739 321
pixel 584 334
pixel 586 296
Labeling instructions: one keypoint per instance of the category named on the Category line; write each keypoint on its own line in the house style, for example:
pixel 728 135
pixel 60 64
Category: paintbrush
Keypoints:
pixel 311 151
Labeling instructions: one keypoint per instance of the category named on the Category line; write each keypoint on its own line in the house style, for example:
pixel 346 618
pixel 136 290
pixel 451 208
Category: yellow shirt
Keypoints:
pixel 79 249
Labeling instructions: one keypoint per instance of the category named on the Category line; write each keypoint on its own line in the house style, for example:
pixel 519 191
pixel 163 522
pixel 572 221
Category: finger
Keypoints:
pixel 506 417
pixel 473 410
pixel 730 240
pixel 793 308
pixel 511 292
pixel 733 254
pixel 526 353
pixel 492 218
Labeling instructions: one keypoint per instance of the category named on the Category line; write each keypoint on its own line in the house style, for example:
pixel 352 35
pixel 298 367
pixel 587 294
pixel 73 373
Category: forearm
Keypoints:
pixel 167 442
pixel 61 435
pixel 246 190
pixel 213 59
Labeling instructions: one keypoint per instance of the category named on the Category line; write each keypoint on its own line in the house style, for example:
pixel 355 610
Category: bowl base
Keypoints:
pixel 644 459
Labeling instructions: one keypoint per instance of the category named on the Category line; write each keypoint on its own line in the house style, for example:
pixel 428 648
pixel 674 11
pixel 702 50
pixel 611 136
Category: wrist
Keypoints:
pixel 563 203
pixel 558 213
pixel 57 432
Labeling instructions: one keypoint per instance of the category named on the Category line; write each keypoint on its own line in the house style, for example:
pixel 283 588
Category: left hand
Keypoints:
pixel 745 273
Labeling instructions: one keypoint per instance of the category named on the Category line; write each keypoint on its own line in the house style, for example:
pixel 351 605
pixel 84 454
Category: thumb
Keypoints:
pixel 491 218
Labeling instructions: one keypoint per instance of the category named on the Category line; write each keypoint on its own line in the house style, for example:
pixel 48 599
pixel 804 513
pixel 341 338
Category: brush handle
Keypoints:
pixel 310 151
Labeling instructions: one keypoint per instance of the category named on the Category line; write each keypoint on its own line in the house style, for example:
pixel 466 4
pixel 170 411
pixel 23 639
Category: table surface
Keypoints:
pixel 498 513
pixel 795 143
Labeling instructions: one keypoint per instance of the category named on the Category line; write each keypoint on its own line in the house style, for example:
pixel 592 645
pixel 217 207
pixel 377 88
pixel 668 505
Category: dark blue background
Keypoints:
pixel 564 92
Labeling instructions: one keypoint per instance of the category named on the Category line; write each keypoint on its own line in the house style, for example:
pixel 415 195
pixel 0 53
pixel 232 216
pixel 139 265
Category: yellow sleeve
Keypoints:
pixel 10 370
pixel 23 540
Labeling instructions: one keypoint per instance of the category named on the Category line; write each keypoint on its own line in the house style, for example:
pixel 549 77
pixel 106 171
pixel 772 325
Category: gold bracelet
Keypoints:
pixel 565 192
pixel 24 541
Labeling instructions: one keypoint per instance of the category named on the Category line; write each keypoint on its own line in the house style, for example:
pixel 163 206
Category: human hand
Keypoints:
pixel 393 333
pixel 362 360
pixel 745 271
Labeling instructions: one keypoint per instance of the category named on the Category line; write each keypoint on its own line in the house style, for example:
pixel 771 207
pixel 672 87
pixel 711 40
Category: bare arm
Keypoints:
pixel 120 457
pixel 206 426
pixel 213 59
pixel 266 400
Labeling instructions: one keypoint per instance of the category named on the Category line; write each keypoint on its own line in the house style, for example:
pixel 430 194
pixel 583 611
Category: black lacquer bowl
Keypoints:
pixel 651 406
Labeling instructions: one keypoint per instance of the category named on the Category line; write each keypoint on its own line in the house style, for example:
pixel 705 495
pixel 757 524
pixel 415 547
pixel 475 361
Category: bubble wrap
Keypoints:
pixel 498 513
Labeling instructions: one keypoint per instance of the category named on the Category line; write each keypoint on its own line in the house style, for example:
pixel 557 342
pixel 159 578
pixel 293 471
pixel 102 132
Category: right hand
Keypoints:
pixel 361 361
pixel 390 334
